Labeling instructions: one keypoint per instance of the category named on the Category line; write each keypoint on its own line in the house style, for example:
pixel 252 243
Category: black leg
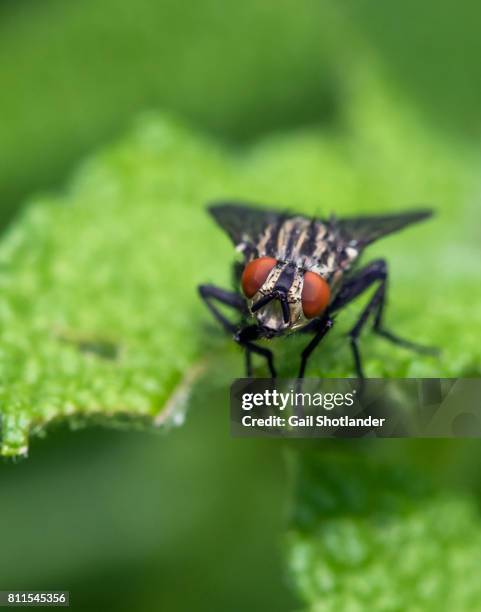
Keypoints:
pixel 229 298
pixel 245 337
pixel 323 326
pixel 378 328
pixel 352 288
pixel 375 303
pixel 248 363
pixel 358 283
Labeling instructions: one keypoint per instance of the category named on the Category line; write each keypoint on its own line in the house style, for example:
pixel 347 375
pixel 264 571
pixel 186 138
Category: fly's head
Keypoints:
pixel 281 296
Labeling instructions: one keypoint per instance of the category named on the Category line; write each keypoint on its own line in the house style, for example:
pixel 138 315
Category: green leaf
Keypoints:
pixel 373 535
pixel 99 311
pixel 99 314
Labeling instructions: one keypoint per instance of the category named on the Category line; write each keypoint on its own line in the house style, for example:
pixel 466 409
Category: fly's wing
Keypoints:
pixel 361 231
pixel 244 224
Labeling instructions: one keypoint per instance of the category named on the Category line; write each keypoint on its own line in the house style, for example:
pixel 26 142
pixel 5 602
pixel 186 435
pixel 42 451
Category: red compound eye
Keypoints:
pixel 315 295
pixel 255 274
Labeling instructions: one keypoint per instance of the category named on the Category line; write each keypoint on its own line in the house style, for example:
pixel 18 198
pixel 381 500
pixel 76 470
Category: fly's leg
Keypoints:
pixel 209 293
pixel 322 326
pixel 379 329
pixel 352 288
pixel 245 337
pixel 248 355
pixel 374 305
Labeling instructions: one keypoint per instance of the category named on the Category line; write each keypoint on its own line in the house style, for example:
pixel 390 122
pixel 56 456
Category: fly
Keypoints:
pixel 298 272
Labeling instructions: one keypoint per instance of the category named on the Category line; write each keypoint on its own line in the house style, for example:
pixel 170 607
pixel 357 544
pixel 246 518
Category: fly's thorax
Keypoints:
pixel 309 243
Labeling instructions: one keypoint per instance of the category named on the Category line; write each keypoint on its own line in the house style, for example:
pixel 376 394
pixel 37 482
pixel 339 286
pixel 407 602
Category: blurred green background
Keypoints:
pixel 192 519
pixel 72 74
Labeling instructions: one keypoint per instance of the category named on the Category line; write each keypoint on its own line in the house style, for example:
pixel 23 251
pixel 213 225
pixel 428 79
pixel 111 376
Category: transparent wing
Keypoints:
pixel 243 223
pixel 365 230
